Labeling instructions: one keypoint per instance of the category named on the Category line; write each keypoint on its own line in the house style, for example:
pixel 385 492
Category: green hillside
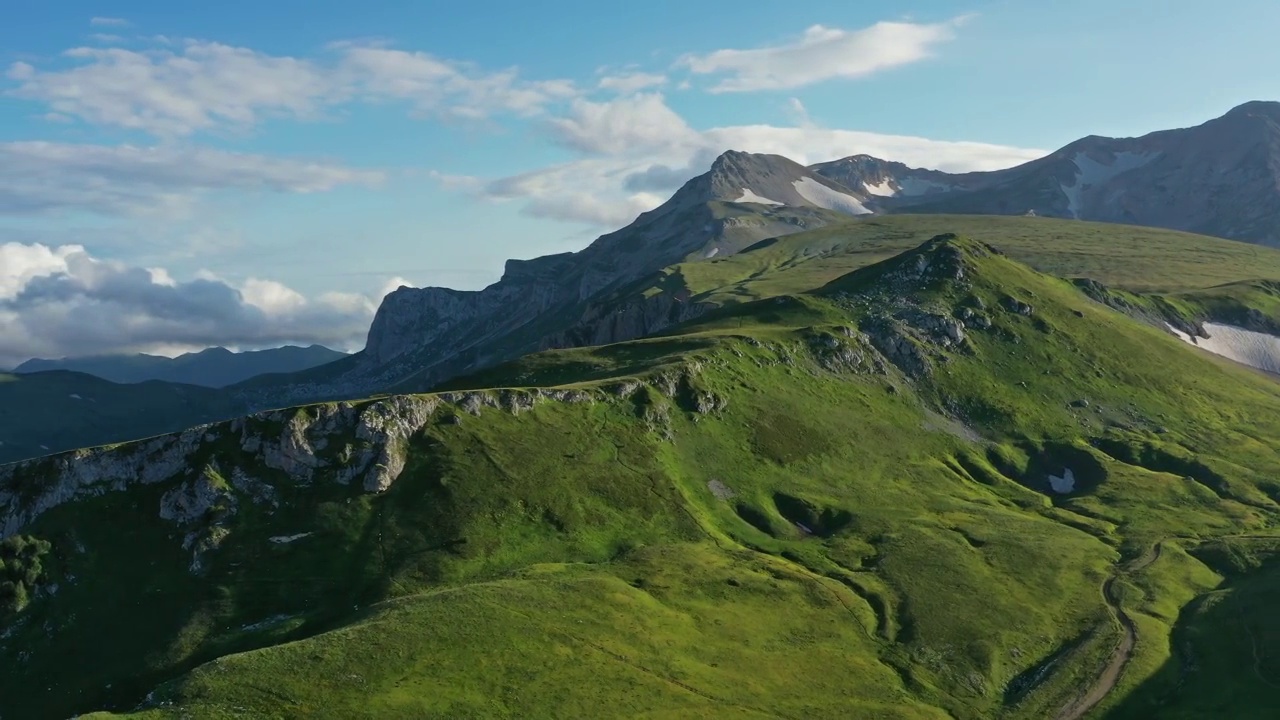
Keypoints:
pixel 835 502
pixel 1123 257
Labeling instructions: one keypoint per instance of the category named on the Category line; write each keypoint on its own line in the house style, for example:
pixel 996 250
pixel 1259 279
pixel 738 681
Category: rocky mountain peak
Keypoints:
pixel 1257 108
pixel 774 180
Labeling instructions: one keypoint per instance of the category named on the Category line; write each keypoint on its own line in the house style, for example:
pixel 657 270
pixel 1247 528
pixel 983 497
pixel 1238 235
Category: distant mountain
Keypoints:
pixel 53 411
pixel 1220 178
pixel 423 336
pixel 215 367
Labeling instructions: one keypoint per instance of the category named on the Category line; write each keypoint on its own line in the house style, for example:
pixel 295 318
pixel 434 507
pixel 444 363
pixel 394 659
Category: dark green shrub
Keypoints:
pixel 21 571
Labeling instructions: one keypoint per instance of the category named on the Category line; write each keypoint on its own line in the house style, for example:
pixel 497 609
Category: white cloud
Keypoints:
pixel 637 151
pixel 20 263
pixel 435 85
pixel 108 22
pixel 392 285
pixel 165 93
pixel 821 53
pixel 627 83
pixel 61 301
pixel 106 38
pixel 576 192
pixel 627 125
pixel 205 86
pixel 43 177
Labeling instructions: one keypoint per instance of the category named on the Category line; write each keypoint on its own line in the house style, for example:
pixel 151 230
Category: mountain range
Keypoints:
pixel 1221 178
pixel 214 367
pixel 827 441
pixel 879 477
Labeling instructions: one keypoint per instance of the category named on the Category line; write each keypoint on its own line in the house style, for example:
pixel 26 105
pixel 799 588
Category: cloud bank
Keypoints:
pixel 62 301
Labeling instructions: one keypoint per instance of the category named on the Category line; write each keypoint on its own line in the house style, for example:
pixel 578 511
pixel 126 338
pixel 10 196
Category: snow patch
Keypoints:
pixel 286 539
pixel 712 253
pixel 884 189
pixel 1065 484
pixel 824 197
pixel 749 196
pixel 1091 173
pixel 1255 349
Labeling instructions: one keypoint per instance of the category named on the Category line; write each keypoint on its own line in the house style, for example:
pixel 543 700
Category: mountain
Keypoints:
pixel 936 484
pixel 643 278
pixel 1217 179
pixel 431 334
pixel 58 410
pixel 215 367
pixel 1220 178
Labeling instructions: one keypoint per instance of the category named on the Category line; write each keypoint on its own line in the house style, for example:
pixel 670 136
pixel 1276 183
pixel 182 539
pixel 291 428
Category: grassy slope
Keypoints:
pixel 40 411
pixel 575 559
pixel 1132 258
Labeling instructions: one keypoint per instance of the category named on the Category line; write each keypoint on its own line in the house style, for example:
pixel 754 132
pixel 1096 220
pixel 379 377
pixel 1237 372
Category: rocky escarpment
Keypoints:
pixel 346 443
pixel 209 474
pixel 627 320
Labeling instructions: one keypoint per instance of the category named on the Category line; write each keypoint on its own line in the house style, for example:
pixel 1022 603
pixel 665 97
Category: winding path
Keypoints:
pixel 1079 706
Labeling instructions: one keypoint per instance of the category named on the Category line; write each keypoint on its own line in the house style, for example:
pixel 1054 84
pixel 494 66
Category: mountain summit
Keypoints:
pixel 741 177
pixel 1219 178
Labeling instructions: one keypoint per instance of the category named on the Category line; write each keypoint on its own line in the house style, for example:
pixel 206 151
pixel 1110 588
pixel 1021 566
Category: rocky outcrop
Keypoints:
pixel 31 488
pixel 244 460
pixel 892 338
pixel 907 306
pixel 844 350
pixel 193 500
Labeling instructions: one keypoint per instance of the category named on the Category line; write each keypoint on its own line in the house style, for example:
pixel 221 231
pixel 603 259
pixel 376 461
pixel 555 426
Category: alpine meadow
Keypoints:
pixel 970 431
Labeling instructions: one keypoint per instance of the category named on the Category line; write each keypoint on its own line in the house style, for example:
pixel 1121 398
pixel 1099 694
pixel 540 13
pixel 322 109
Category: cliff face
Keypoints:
pixel 361 444
pixel 639 317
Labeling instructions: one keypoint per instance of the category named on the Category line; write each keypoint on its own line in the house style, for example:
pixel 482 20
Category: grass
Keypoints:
pixel 779 522
pixel 1123 257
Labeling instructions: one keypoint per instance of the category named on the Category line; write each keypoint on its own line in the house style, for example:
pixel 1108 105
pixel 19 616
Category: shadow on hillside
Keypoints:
pixel 1225 655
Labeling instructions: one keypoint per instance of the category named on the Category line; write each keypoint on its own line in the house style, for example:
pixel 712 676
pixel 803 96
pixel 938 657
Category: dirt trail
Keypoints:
pixel 1106 682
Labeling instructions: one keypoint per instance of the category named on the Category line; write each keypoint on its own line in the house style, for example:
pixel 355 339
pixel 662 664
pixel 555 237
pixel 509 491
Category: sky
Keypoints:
pixel 251 174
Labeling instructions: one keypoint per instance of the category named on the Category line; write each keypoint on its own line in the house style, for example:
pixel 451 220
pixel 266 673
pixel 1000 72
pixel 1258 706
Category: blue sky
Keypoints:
pixel 251 173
